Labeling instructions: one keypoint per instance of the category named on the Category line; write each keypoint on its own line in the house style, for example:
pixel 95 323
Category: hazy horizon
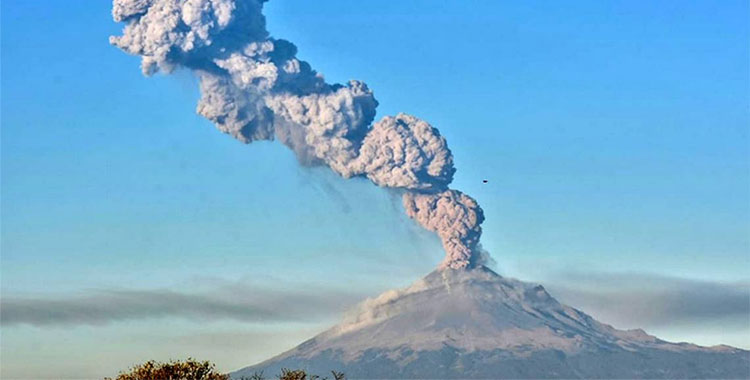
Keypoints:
pixel 612 137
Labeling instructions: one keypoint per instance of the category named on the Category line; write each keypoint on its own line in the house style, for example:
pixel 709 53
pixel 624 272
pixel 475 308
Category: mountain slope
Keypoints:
pixel 477 324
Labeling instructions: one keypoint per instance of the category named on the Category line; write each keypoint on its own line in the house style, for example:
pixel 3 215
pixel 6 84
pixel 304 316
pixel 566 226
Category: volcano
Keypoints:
pixel 476 324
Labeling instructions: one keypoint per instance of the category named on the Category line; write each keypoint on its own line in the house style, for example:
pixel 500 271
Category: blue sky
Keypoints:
pixel 614 136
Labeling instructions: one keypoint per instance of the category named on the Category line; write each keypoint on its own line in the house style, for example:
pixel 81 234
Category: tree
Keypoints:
pixel 298 374
pixel 190 369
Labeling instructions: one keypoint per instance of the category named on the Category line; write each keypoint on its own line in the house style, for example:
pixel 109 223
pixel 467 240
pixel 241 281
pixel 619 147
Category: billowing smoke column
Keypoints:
pixel 254 88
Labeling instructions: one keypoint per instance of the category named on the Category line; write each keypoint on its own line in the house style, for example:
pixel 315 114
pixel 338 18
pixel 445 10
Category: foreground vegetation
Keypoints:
pixel 192 369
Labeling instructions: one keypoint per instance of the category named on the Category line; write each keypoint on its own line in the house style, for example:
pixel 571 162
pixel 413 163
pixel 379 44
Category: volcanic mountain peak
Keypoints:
pixel 473 309
pixel 473 323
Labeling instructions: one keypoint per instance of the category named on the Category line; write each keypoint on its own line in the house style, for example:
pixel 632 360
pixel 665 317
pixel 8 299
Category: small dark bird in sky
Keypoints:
pixel 484 181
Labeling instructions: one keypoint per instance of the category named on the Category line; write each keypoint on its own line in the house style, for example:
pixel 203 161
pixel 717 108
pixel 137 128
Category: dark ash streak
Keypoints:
pixel 235 303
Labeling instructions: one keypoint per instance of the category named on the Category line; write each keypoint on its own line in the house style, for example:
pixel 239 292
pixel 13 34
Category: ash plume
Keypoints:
pixel 455 217
pixel 253 87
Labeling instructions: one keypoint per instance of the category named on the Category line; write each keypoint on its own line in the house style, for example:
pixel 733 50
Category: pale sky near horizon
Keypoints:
pixel 613 135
